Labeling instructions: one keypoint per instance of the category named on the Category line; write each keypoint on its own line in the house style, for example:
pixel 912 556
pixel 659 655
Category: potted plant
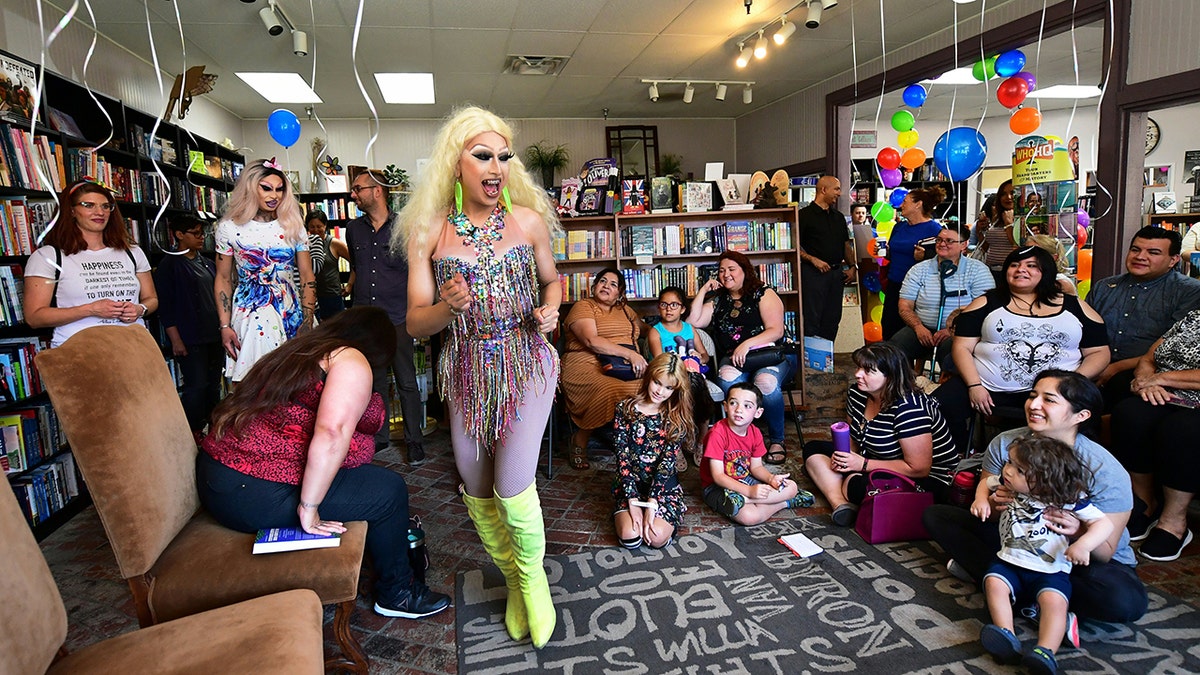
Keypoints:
pixel 670 165
pixel 546 159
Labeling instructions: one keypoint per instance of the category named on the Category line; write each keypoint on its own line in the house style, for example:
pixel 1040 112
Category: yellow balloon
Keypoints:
pixel 884 230
pixel 907 139
pixel 877 314
pixel 1083 288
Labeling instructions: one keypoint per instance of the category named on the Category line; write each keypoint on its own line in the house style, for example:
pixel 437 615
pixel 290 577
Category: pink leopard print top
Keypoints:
pixel 274 446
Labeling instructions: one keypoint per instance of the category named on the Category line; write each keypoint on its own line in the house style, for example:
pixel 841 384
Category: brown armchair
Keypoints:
pixel 120 411
pixel 279 633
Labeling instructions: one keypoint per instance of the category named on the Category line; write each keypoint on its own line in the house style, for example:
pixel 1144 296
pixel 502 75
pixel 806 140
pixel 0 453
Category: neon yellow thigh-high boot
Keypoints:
pixel 522 514
pixel 494 536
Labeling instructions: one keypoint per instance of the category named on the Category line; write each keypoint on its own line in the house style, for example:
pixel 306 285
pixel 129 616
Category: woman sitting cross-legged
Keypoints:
pixel 893 426
pixel 1013 332
pixel 1060 405
pixel 292 446
pixel 1156 435
pixel 747 315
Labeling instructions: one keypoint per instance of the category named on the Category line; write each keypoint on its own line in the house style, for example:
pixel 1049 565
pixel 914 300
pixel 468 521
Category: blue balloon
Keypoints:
pixel 1010 63
pixel 914 95
pixel 284 127
pixel 960 152
pixel 871 282
pixel 898 196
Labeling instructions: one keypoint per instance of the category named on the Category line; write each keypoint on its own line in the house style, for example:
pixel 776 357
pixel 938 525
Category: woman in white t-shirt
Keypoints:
pixel 86 272
pixel 260 244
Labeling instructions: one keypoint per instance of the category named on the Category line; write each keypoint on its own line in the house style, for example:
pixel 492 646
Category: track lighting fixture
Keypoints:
pixel 689 88
pixel 299 43
pixel 653 91
pixel 814 15
pixel 747 95
pixel 276 20
pixel 760 46
pixel 785 31
pixel 267 14
pixel 743 55
pixel 828 4
pixel 721 89
pixel 688 92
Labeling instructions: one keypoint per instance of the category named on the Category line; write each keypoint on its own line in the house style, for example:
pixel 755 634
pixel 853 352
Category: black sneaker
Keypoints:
pixel 1162 546
pixel 415 603
pixel 1140 523
pixel 416 455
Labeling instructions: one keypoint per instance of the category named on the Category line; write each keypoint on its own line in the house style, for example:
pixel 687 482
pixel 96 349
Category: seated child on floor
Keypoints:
pixel 673 334
pixel 736 484
pixel 1035 560
pixel 649 430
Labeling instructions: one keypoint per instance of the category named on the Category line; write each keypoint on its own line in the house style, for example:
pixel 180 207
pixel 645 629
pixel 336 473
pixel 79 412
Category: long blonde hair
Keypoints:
pixel 243 201
pixel 421 221
pixel 677 410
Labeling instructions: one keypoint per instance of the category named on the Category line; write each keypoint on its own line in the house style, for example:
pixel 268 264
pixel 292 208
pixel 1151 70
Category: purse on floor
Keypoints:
pixel 892 509
pixel 617 366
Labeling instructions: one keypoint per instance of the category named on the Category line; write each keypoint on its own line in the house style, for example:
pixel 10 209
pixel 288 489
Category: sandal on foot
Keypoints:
pixel 774 456
pixel 1001 644
pixel 578 458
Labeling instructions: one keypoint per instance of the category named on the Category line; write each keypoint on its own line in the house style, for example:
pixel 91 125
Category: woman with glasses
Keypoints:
pixel 86 272
pixel 189 317
pixel 260 243
pixel 600 325
pixel 673 334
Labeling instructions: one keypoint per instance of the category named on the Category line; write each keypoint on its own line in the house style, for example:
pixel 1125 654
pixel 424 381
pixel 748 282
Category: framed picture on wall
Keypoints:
pixel 1157 176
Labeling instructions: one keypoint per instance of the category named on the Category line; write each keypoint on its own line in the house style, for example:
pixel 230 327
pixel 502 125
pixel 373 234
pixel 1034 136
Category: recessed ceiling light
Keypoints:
pixel 281 87
pixel 957 76
pixel 408 88
pixel 1067 91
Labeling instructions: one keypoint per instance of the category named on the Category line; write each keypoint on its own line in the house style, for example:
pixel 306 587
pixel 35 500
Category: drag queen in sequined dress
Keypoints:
pixel 477 233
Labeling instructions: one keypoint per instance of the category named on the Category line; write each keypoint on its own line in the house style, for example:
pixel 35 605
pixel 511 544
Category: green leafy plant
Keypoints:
pixel 396 177
pixel 546 159
pixel 670 165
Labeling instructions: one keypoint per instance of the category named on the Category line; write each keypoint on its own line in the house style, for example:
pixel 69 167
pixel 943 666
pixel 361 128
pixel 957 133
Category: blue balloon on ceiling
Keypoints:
pixel 284 127
pixel 897 196
pixel 960 152
pixel 914 95
pixel 1010 63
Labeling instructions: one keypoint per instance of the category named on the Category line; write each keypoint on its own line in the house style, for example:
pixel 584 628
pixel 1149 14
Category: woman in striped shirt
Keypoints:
pixel 893 426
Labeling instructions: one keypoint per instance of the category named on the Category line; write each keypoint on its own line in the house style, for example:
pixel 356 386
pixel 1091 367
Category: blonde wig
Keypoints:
pixel 243 201
pixel 433 199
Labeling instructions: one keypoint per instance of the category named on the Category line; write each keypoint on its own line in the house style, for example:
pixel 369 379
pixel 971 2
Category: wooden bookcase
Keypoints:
pixel 606 241
pixel 129 162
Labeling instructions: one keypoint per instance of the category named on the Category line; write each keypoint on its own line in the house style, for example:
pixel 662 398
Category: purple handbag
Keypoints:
pixel 892 509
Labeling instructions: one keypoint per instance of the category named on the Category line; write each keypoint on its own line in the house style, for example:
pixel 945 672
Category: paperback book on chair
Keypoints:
pixel 279 539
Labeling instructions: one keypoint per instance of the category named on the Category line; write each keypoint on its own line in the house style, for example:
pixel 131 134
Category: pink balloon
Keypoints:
pixel 1081 233
pixel 1029 79
pixel 890 177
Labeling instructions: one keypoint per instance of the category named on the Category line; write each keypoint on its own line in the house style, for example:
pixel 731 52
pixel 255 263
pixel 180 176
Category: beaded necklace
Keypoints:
pixel 483 238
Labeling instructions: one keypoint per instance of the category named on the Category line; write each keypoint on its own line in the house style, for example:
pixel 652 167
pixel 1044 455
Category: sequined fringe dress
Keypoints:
pixel 493 352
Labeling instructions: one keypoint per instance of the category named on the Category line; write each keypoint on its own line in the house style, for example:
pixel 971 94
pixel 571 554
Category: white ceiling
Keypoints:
pixel 612 45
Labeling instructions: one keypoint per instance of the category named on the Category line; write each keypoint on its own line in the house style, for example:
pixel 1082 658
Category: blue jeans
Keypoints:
pixel 773 409
pixel 371 493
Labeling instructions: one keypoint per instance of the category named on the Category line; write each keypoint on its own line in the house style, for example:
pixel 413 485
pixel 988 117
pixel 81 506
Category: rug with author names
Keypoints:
pixel 737 601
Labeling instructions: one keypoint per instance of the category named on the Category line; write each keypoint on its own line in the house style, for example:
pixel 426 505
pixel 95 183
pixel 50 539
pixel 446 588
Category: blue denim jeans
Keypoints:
pixel 371 493
pixel 773 408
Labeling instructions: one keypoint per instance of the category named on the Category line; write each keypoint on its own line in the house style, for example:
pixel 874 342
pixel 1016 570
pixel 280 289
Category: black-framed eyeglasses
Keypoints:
pixel 670 305
pixel 948 242
pixel 195 233
pixel 88 206
pixel 359 188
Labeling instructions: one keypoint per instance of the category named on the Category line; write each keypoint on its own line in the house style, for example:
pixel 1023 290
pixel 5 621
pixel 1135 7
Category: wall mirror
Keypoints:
pixel 635 148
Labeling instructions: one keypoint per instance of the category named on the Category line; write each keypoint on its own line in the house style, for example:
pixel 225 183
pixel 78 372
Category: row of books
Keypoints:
pixel 21 223
pixel 12 295
pixel 21 157
pixel 29 436
pixel 19 378
pixel 576 285
pixel 680 239
pixel 335 208
pixel 645 283
pixel 183 195
pixel 47 489
pixel 154 147
pixel 585 244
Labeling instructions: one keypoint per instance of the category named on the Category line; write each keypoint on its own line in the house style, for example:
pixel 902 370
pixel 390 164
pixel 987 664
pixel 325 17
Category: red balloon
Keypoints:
pixel 1081 235
pixel 1012 92
pixel 888 158
pixel 1025 121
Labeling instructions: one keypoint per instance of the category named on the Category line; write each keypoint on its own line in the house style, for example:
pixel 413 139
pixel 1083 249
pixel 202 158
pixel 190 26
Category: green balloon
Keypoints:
pixel 903 120
pixel 882 211
pixel 986 69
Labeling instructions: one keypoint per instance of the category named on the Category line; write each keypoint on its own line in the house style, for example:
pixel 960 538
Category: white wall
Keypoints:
pixel 113 69
pixel 1180 133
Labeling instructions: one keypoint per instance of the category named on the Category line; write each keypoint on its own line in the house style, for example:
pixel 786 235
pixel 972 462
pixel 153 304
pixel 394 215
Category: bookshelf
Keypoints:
pixel 153 177
pixel 657 250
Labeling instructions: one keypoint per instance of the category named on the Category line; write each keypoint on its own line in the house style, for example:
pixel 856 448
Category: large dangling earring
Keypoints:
pixel 507 199
pixel 457 196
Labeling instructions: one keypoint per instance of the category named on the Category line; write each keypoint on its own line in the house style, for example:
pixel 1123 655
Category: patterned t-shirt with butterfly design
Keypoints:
pixel 1014 348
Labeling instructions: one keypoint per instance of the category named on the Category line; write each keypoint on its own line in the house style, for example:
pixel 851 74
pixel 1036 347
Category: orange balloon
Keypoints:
pixel 873 332
pixel 912 158
pixel 872 248
pixel 1083 270
pixel 1025 121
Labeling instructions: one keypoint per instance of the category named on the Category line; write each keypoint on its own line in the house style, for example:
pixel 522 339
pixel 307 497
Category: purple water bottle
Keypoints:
pixel 841 436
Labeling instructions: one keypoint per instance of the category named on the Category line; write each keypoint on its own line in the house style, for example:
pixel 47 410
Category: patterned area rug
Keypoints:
pixel 737 601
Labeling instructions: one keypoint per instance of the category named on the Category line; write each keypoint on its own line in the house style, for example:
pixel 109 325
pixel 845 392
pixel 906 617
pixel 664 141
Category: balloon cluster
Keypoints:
pixel 909 156
pixel 1012 91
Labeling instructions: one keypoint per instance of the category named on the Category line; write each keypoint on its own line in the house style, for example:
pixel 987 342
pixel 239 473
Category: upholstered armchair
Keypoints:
pixel 124 421
pixel 279 633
